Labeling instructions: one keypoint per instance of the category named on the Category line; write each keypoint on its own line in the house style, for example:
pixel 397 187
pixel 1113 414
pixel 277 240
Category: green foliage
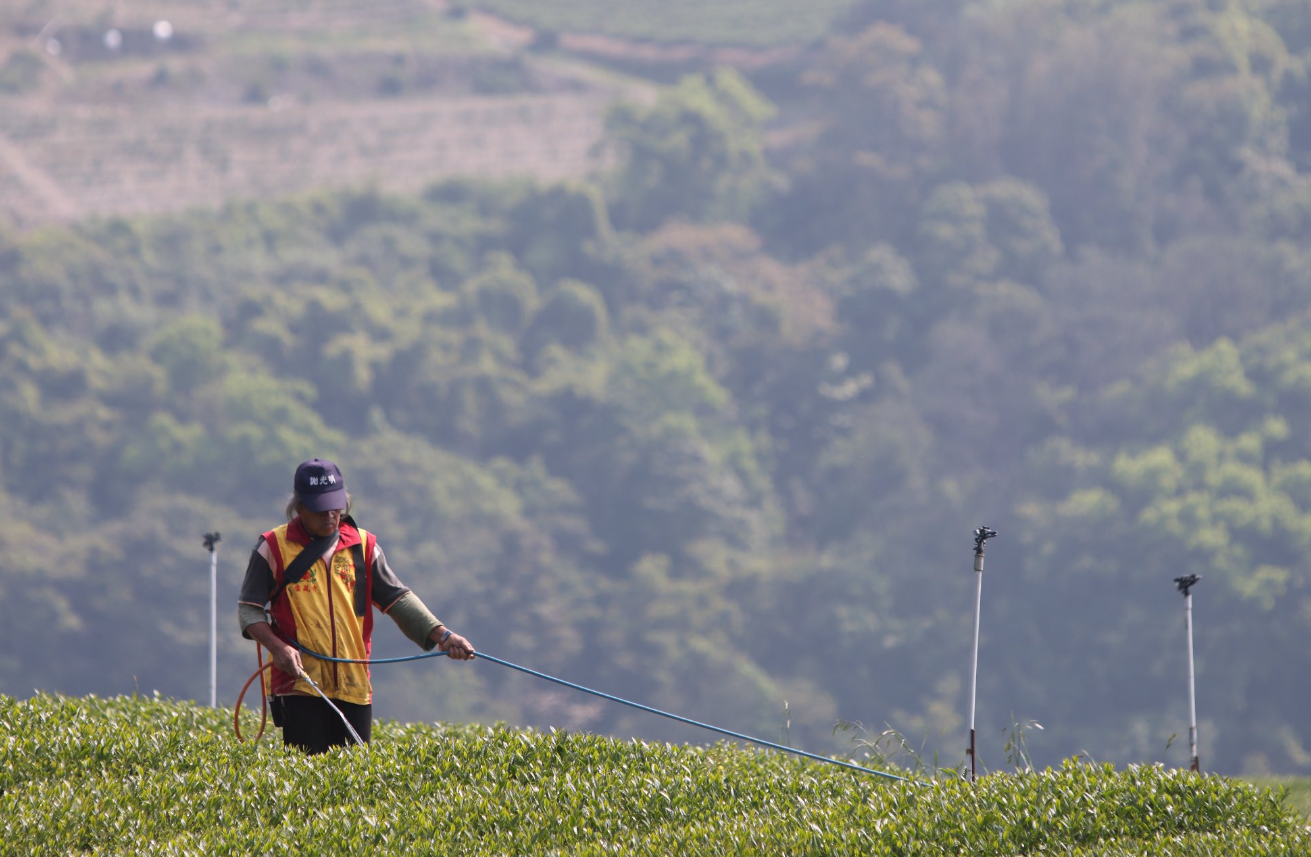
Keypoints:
pixel 954 237
pixel 189 351
pixel 697 153
pixel 1296 793
pixel 501 297
pixel 883 132
pixel 543 214
pixel 662 375
pixel 573 315
pixel 1037 264
pixel 1020 227
pixel 156 777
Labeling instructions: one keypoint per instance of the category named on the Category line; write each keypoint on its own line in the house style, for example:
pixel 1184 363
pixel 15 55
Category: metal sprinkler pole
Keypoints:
pixel 211 544
pixel 981 535
pixel 1184 584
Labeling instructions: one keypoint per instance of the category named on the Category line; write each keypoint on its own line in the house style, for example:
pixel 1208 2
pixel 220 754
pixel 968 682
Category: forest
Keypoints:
pixel 713 428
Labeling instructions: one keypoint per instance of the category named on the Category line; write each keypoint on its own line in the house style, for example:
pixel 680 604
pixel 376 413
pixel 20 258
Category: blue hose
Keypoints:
pixel 621 701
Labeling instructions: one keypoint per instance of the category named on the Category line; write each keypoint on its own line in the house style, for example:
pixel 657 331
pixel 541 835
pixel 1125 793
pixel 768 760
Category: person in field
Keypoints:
pixel 314 583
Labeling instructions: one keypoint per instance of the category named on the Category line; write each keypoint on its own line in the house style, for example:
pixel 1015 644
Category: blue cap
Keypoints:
pixel 319 486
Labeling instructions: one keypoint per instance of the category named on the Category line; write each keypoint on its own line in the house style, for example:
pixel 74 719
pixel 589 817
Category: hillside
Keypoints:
pixel 710 425
pixel 154 777
pixel 263 98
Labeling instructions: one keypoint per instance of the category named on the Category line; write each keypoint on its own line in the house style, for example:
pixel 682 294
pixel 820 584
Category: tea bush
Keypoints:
pixel 153 777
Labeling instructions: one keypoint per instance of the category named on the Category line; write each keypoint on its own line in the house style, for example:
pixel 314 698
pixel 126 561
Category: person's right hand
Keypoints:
pixel 287 659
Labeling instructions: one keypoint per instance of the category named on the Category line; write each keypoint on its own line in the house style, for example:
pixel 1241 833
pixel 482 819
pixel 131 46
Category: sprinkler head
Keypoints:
pixel 981 535
pixel 1183 584
pixel 211 539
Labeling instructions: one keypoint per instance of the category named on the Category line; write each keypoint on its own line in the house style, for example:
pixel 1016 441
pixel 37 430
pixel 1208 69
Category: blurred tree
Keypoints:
pixel 562 231
pixel 1111 317
pixel 954 251
pixel 55 432
pixel 263 422
pixel 1021 228
pixel 1228 286
pixel 573 315
pixel 877 300
pixel 501 296
pixel 1088 126
pixel 396 255
pixel 697 153
pixel 881 104
pixel 190 351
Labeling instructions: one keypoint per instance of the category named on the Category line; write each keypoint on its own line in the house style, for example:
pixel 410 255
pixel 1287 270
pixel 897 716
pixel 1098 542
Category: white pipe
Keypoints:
pixel 1192 692
pixel 974 661
pixel 213 627
pixel 978 603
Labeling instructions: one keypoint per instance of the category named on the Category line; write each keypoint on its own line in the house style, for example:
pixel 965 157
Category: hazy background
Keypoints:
pixel 677 349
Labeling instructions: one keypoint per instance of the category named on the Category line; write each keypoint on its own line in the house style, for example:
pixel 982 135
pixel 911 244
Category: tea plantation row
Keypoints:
pixel 758 23
pixel 142 776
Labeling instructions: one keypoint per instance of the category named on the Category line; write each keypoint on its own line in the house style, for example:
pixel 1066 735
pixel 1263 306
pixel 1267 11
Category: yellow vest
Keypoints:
pixel 321 611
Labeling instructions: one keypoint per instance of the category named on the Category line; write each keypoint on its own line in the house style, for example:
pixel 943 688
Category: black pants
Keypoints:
pixel 310 724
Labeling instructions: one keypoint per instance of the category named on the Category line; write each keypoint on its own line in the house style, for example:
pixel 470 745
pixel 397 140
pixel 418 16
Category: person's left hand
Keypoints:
pixel 457 647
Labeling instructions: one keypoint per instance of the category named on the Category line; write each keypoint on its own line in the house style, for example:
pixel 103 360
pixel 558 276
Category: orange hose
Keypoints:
pixel 264 697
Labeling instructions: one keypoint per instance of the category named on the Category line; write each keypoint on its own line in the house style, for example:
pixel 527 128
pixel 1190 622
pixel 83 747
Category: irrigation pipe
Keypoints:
pixel 981 535
pixel 1185 585
pixel 639 706
pixel 211 544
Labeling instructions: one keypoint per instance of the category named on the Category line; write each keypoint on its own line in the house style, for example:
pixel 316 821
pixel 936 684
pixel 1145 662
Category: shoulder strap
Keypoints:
pixel 361 579
pixel 311 554
pixel 363 574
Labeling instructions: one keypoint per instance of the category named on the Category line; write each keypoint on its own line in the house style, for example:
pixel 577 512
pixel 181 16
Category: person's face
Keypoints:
pixel 320 524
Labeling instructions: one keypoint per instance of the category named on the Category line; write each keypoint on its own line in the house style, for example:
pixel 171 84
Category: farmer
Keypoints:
pixel 318 574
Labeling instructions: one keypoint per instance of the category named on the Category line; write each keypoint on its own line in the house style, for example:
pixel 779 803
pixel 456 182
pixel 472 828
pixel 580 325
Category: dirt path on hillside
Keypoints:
pixel 617 49
pixel 38 183
pixel 652 53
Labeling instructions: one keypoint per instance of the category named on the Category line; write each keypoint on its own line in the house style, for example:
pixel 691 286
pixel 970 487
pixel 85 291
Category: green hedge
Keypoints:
pixel 143 776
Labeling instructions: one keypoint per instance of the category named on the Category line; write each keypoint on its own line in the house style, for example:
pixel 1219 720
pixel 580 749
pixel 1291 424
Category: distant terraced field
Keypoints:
pixel 255 99
pixel 66 163
pixel 753 23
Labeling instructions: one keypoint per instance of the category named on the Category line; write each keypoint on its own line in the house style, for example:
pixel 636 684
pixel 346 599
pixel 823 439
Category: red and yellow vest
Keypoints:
pixel 322 611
